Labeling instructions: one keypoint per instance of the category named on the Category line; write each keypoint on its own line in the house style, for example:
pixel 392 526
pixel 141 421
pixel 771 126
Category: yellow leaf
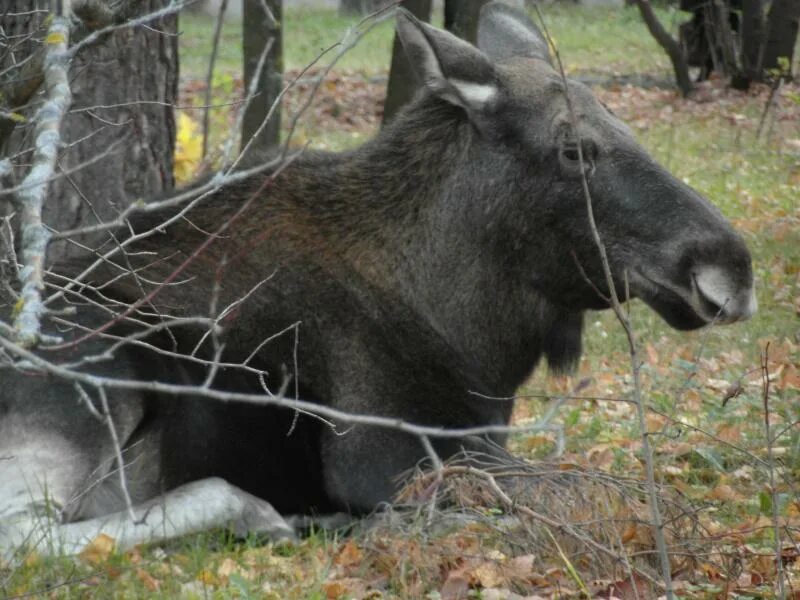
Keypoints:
pixel 206 577
pixel 188 149
pixel 334 590
pixel 18 306
pixel 98 550
pixel 55 38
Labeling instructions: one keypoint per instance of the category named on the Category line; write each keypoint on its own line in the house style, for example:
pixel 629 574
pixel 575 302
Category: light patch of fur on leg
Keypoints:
pixel 36 468
pixel 191 508
pixel 38 471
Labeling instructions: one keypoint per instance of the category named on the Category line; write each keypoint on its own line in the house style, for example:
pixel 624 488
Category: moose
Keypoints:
pixel 409 278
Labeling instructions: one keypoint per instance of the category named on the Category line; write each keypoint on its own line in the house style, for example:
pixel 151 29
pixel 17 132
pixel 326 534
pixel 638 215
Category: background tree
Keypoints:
pixel 753 35
pixel 676 53
pixel 460 17
pixel 735 38
pixel 402 80
pixel 261 30
pixel 119 132
pixel 782 24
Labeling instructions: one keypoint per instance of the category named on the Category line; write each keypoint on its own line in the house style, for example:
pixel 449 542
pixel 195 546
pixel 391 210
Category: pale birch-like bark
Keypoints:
pixel 34 235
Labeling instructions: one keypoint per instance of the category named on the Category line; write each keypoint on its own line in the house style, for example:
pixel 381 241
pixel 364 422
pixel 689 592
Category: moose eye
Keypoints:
pixel 570 158
pixel 570 152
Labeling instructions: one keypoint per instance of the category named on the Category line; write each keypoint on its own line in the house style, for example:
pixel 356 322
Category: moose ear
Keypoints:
pixel 505 31
pixel 449 67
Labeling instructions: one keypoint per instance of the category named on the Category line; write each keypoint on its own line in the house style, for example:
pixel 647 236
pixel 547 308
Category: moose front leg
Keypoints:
pixel 366 466
pixel 191 508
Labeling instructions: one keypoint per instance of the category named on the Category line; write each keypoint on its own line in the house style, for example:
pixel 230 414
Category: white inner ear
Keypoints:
pixel 474 94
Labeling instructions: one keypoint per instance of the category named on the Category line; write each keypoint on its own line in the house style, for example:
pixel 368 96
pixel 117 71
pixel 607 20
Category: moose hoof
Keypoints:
pixel 259 518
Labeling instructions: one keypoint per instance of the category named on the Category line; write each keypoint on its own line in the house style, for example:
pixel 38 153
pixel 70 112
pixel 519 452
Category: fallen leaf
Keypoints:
pixel 456 586
pixel 504 594
pixel 98 550
pixel 652 355
pixel 150 582
pixel 489 574
pixel 347 587
pixel 629 533
pixel 350 555
pixel 724 493
pixel 520 568
pixel 230 567
pixel 632 588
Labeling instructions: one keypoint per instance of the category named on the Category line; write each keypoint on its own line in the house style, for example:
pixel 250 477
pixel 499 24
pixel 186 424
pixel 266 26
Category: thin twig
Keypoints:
pixel 173 7
pixel 30 360
pixel 210 76
pixel 658 522
pixel 509 503
pixel 771 469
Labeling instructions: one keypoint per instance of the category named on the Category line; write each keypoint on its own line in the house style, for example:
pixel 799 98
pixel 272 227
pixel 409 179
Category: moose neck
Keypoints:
pixel 424 234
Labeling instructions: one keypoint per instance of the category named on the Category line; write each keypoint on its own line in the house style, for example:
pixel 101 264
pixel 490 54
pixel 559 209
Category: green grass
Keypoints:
pixel 598 40
pixel 307 33
pixel 605 41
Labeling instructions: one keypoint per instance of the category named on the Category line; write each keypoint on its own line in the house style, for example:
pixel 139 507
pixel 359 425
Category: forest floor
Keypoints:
pixel 723 410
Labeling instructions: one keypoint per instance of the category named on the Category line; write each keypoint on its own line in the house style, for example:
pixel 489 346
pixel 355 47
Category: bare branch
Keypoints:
pixel 173 7
pixel 34 235
pixel 622 317
pixel 33 361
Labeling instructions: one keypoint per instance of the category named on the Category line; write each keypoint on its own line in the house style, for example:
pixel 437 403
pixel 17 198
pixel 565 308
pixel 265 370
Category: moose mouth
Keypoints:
pixel 712 297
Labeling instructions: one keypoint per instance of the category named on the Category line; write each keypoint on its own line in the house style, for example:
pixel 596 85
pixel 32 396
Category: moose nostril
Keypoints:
pixel 712 306
pixel 721 296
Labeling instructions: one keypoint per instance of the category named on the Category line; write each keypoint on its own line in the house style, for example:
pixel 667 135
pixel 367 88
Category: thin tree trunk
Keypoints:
pixel 461 18
pixel 259 30
pixel 402 80
pixel 753 30
pixel 724 39
pixel 670 46
pixel 783 21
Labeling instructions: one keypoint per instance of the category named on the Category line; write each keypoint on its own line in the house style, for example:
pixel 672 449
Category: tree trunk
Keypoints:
pixel 783 20
pixel 402 80
pixel 259 30
pixel 119 133
pixel 670 46
pixel 20 58
pixel 753 30
pixel 461 18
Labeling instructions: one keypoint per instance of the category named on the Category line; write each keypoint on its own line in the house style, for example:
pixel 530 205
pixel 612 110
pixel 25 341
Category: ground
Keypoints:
pixel 722 403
